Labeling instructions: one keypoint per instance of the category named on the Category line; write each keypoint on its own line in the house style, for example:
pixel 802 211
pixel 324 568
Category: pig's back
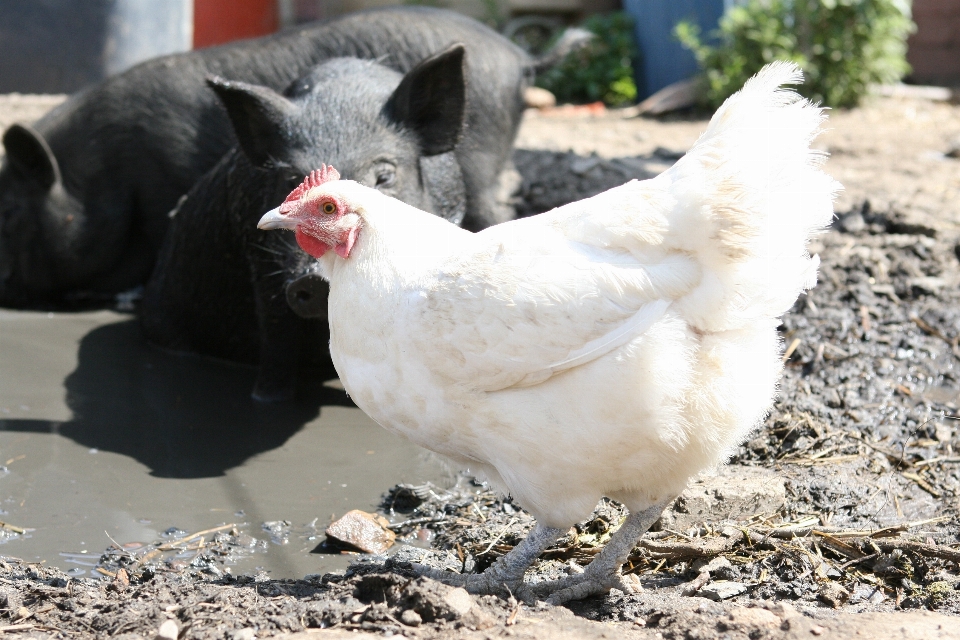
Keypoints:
pixel 146 135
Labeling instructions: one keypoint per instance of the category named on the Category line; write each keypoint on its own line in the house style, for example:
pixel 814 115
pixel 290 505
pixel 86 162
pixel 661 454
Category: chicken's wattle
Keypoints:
pixel 317 247
pixel 311 245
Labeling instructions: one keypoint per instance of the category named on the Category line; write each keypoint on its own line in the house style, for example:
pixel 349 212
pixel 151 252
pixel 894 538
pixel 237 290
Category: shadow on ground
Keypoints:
pixel 181 416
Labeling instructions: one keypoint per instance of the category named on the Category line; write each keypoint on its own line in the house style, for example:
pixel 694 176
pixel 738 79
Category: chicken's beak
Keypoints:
pixel 273 219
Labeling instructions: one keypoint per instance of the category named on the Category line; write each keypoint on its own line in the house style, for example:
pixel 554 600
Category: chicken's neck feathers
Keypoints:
pixel 397 243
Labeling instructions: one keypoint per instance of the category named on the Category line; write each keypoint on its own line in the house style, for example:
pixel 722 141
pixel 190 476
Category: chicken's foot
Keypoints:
pixel 603 573
pixel 506 574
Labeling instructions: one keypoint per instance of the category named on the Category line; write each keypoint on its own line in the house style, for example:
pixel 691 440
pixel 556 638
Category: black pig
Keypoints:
pixel 85 192
pixel 221 286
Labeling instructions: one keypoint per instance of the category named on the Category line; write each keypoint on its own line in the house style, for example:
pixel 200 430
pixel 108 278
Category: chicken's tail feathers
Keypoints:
pixel 747 198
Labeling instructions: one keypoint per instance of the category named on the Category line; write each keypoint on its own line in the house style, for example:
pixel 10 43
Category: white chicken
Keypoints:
pixel 615 346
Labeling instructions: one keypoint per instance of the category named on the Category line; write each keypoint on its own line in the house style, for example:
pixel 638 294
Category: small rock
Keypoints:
pixel 366 531
pixel 167 631
pixel 176 565
pixel 538 98
pixel 425 535
pixel 710 609
pixel 944 433
pixel 669 154
pixel 833 594
pixel 929 285
pixel 735 493
pixel 581 166
pixel 244 634
pixel 458 601
pixel 783 609
pixel 853 222
pixel 866 593
pixel 721 590
pixel 478 620
pixel 411 618
pixel 752 621
pixel 702 564
pixel 441 560
pixel 833 398
pixel 9 598
pixel 434 600
pixel 122 579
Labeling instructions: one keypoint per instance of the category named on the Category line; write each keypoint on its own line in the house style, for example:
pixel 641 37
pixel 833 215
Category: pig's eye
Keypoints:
pixel 386 176
pixel 329 208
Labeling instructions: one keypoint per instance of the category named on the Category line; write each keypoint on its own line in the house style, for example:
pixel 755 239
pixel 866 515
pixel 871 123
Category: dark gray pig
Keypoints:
pixel 85 191
pixel 224 288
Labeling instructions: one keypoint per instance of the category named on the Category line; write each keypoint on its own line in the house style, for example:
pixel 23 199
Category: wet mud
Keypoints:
pixel 102 435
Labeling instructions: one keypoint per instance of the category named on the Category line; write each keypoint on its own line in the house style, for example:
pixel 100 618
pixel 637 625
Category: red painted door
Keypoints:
pixel 219 21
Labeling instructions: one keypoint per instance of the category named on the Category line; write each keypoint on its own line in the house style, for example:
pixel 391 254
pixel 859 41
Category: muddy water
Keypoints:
pixel 102 436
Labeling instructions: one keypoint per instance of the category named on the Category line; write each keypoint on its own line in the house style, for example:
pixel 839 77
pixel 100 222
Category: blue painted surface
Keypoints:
pixel 664 61
pixel 58 46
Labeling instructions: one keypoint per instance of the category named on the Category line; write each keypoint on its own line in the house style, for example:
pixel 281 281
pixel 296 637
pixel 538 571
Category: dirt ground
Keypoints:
pixel 852 528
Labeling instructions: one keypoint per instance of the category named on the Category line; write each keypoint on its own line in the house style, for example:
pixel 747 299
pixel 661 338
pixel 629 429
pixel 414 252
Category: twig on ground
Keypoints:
pixel 173 544
pixel 700 548
pixel 12 527
pixel 793 347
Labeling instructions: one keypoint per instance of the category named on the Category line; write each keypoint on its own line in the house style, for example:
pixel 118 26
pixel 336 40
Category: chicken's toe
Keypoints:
pixel 603 573
pixel 499 579
pixel 505 576
pixel 446 577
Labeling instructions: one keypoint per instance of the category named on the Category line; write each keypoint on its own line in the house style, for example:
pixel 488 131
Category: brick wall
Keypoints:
pixel 934 50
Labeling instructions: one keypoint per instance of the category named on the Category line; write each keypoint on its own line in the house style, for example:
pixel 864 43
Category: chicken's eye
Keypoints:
pixel 329 208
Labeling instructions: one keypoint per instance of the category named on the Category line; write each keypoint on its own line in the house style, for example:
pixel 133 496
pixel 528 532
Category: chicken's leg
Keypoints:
pixel 603 573
pixel 507 571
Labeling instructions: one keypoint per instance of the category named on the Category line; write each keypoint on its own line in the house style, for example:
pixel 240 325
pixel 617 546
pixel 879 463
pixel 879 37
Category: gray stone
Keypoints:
pixel 710 564
pixel 735 493
pixel 458 601
pixel 411 618
pixel 721 590
pixel 368 532
pixel 929 285
pixel 853 222
pixel 833 594
pixel 169 630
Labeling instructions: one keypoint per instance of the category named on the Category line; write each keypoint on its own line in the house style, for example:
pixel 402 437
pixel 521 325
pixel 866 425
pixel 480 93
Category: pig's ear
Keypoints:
pixel 258 115
pixel 430 101
pixel 30 156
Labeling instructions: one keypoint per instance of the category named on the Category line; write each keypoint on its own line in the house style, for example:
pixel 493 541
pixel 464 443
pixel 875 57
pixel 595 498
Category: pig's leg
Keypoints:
pixel 280 336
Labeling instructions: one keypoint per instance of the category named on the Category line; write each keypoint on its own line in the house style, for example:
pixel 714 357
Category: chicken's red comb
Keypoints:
pixel 316 178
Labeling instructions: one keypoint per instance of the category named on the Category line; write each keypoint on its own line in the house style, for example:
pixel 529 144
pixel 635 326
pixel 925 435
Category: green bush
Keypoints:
pixel 602 70
pixel 843 46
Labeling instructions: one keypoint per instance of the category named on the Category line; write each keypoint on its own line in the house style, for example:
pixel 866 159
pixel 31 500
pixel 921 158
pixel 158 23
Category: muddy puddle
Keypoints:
pixel 103 437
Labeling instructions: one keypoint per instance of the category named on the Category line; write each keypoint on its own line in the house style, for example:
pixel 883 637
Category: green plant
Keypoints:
pixel 843 46
pixel 603 69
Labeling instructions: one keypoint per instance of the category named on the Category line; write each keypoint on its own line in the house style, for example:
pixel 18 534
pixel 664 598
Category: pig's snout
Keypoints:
pixel 307 296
